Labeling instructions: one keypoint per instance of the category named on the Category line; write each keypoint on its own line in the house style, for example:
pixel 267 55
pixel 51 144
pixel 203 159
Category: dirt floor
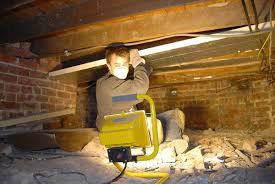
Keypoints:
pixel 210 157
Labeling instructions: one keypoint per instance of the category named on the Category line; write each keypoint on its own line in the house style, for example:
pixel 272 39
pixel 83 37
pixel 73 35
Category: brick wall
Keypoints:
pixel 232 104
pixel 25 87
pixel 86 104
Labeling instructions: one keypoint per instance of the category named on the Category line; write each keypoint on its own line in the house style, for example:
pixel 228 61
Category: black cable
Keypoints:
pixel 39 175
pixel 119 176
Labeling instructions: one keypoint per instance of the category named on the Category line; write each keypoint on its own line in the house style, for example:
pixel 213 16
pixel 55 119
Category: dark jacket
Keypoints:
pixel 109 86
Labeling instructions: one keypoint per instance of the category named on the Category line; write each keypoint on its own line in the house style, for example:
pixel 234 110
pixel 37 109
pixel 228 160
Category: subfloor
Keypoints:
pixel 211 157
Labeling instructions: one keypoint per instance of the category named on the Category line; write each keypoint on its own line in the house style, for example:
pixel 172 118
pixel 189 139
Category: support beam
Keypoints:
pixel 189 18
pixel 75 16
pixel 161 48
pixel 9 5
pixel 36 117
pixel 212 73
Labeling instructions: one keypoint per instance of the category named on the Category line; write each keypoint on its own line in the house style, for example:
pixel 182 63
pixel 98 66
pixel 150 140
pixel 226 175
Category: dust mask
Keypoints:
pixel 121 72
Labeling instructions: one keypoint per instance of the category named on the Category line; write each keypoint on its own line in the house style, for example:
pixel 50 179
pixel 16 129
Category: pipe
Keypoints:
pixel 163 176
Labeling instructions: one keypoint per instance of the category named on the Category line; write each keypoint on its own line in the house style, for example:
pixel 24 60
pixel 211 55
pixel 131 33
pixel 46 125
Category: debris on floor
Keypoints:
pixel 197 158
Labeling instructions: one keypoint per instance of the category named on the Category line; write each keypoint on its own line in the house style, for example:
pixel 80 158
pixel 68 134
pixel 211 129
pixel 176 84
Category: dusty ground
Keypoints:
pixel 208 159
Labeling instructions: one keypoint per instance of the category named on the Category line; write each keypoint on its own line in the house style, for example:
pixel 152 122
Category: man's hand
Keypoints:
pixel 135 58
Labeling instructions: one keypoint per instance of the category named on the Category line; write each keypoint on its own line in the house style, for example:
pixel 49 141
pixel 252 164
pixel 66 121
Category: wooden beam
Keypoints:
pixel 75 16
pixel 36 117
pixel 212 73
pixel 159 49
pixel 245 56
pixel 6 6
pixel 48 131
pixel 190 18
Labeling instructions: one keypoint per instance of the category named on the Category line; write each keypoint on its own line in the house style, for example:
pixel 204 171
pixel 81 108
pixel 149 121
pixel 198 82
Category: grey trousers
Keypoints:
pixel 173 122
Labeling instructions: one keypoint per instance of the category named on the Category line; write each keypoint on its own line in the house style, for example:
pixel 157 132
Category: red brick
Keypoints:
pixel 10 97
pixel 260 96
pixel 24 98
pixel 48 92
pixel 8 78
pixel 29 63
pixel 56 100
pixel 60 107
pixel 43 83
pixel 262 103
pixel 58 86
pixel 4 68
pixel 41 98
pixel 26 81
pixel 63 94
pixel 37 90
pixel 69 89
pixel 263 109
pixel 73 96
pixel 29 106
pixel 68 103
pixel 12 88
pixel 36 74
pixel 28 112
pixel 18 71
pixel 9 105
pixel 1 86
pixel 26 89
pixel 260 83
pixel 47 107
pixel 47 65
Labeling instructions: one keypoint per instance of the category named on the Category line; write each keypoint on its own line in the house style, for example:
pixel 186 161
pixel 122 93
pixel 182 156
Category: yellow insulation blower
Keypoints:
pixel 122 132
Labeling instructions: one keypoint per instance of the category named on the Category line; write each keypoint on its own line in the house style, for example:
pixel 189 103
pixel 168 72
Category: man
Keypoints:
pixel 117 82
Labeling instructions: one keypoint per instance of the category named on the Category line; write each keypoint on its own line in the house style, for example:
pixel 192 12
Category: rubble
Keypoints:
pixel 249 145
pixel 203 159
pixel 180 145
pixel 168 155
pixel 5 149
pixel 191 159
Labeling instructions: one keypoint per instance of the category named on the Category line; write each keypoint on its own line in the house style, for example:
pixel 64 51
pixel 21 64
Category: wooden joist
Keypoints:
pixel 75 70
pixel 70 17
pixel 190 18
pixel 211 73
pixel 10 5
pixel 35 117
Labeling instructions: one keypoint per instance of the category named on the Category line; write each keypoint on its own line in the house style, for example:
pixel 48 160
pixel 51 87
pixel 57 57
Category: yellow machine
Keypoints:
pixel 122 132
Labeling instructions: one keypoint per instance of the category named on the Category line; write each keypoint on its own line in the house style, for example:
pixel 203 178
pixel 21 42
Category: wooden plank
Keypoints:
pixel 86 12
pixel 214 53
pixel 216 64
pixel 159 49
pixel 211 73
pixel 245 158
pixel 6 6
pixel 182 19
pixel 66 139
pixel 48 131
pixel 184 61
pixel 35 117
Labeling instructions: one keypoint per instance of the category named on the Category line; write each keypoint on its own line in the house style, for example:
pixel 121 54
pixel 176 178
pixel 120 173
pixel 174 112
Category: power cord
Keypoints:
pixel 39 175
pixel 119 176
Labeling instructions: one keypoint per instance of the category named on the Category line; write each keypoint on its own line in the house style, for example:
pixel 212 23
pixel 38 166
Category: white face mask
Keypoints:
pixel 121 72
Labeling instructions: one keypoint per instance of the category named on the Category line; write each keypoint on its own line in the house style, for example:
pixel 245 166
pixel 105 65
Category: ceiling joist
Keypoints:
pixel 159 49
